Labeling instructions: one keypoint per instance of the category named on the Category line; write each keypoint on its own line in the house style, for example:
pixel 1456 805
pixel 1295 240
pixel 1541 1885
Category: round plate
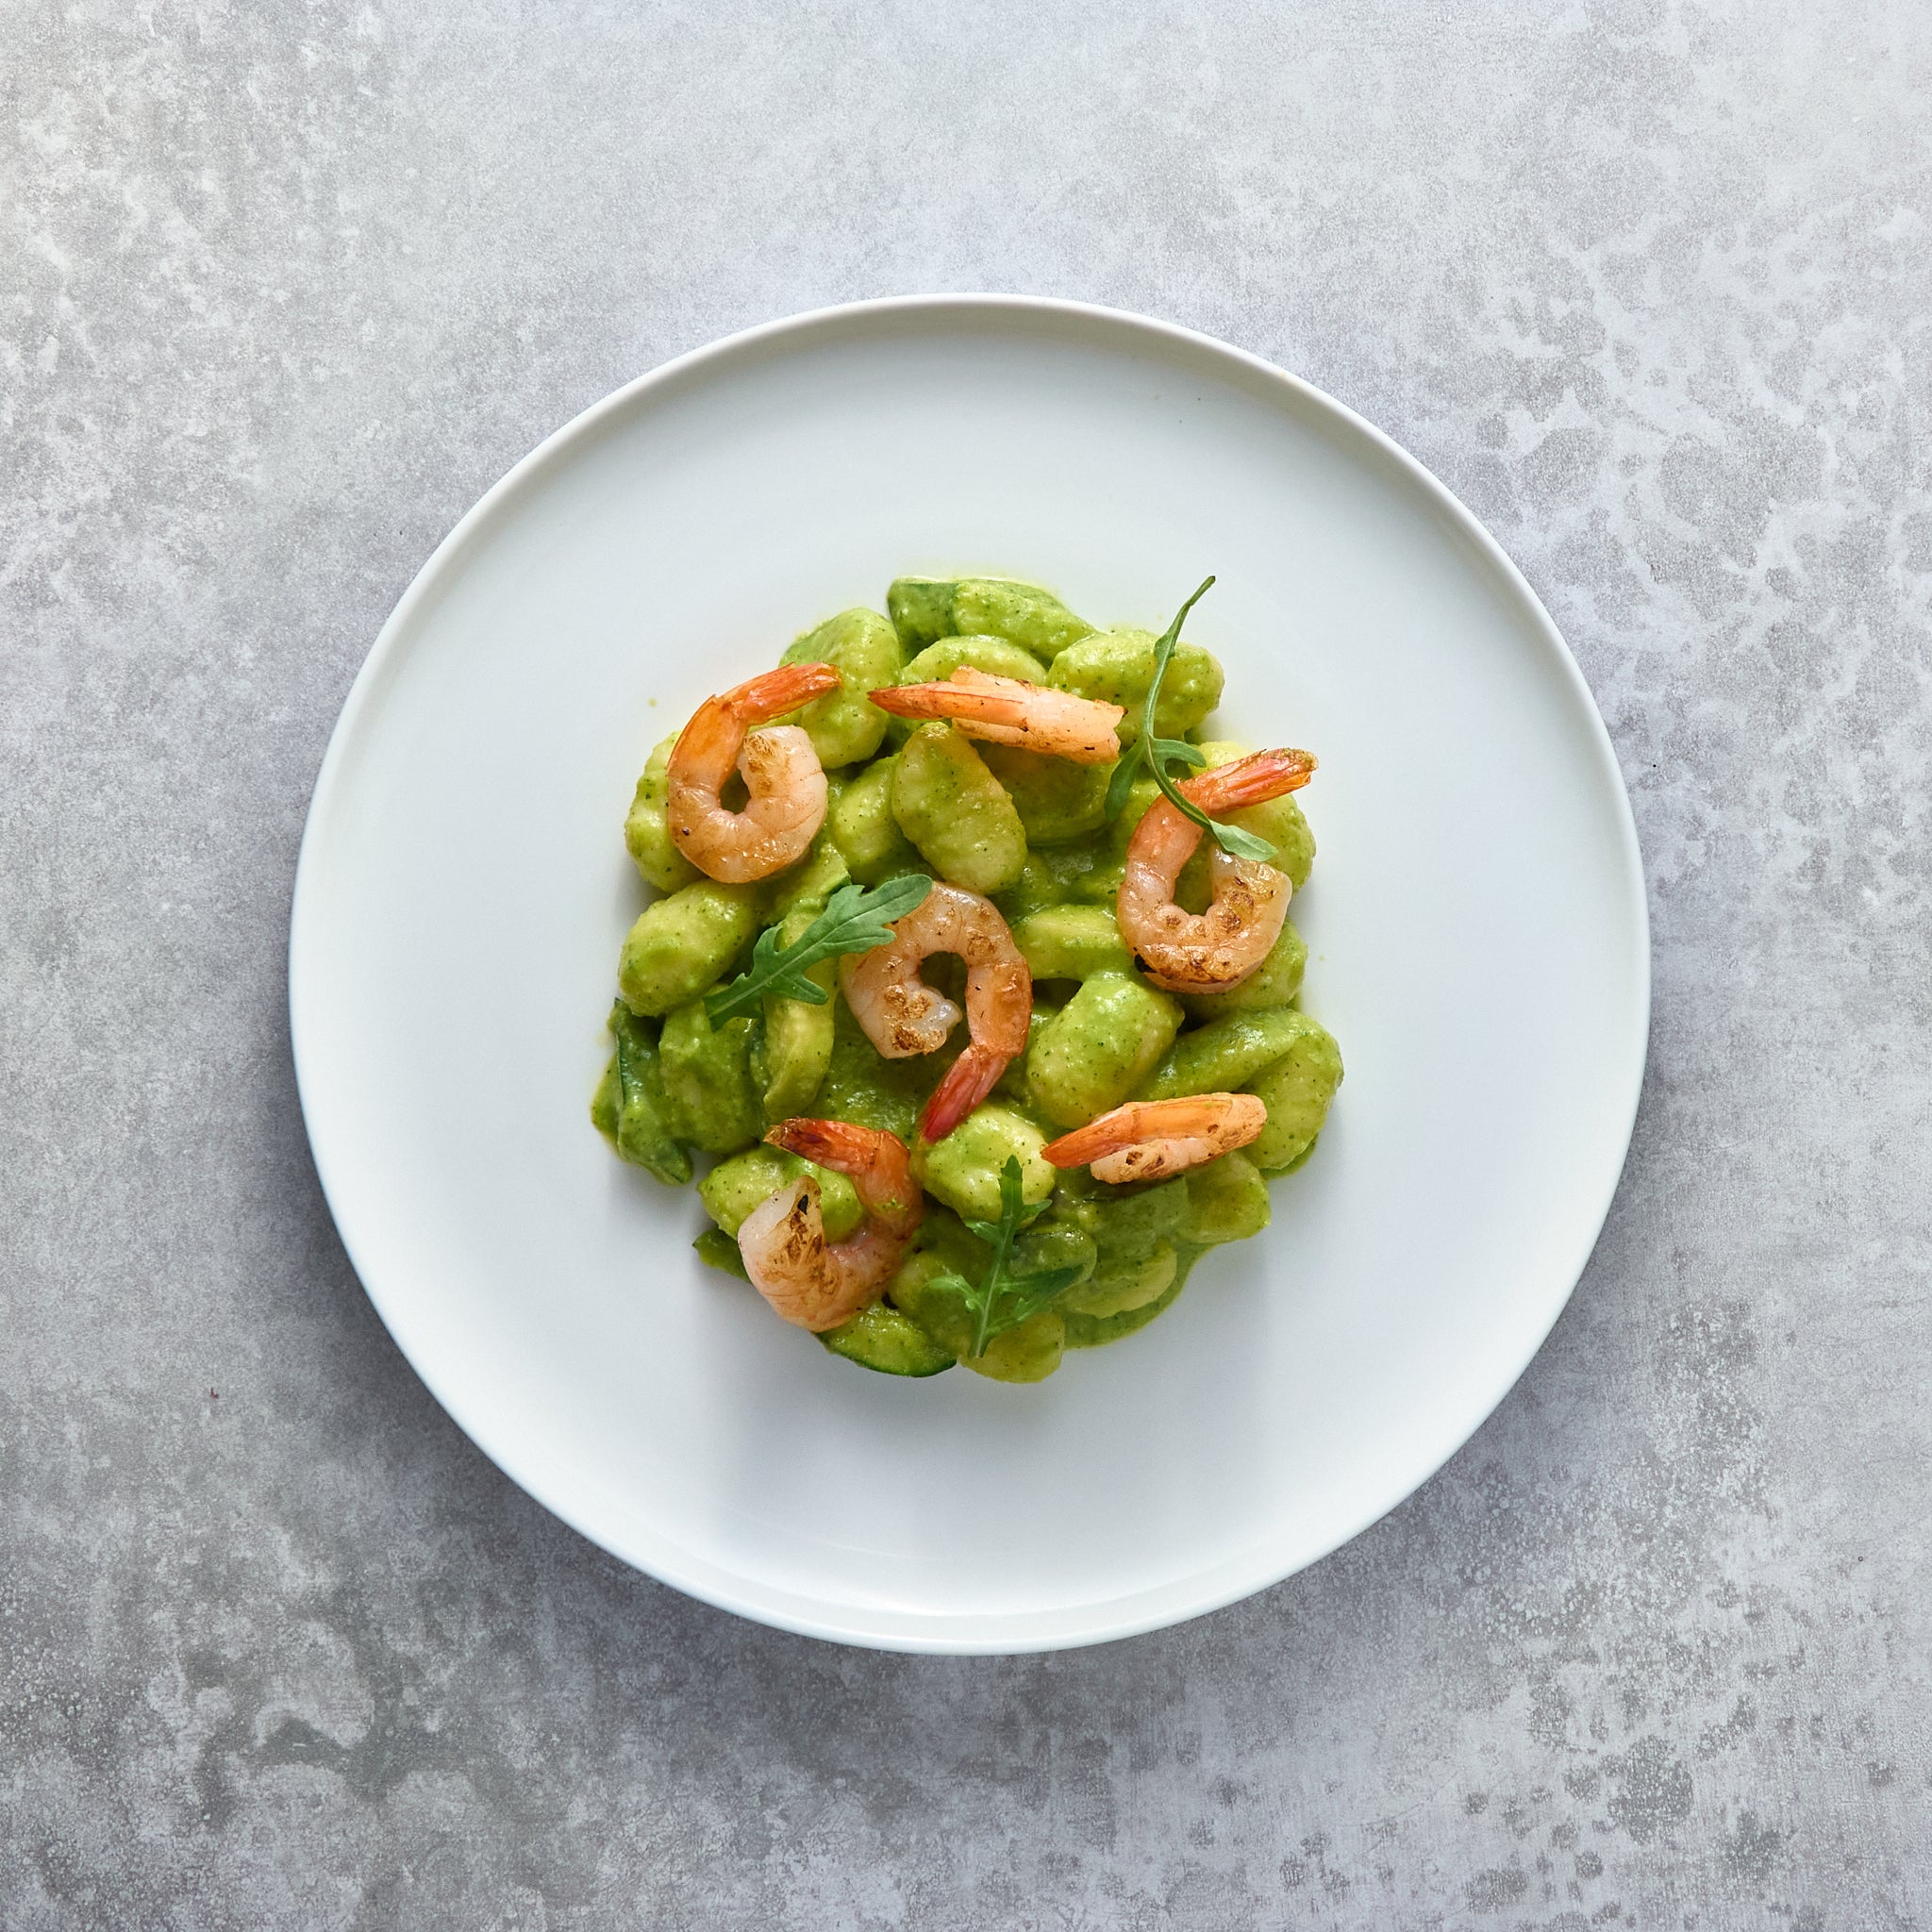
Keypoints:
pixel 1476 924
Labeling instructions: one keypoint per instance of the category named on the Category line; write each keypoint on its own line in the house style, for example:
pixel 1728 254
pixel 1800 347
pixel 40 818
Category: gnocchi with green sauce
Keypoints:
pixel 969 982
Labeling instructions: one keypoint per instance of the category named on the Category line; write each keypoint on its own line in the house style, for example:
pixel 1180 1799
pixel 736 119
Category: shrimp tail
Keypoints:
pixel 967 1082
pixel 1251 780
pixel 772 693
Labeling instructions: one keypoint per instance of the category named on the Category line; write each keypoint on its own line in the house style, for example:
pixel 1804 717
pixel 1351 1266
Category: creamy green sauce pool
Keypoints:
pixel 746 1009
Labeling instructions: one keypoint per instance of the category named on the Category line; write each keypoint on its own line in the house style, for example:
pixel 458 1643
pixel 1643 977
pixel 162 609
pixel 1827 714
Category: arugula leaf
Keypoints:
pixel 1178 750
pixel 1123 780
pixel 1240 843
pixel 856 918
pixel 1031 1294
pixel 1157 754
pixel 1024 1295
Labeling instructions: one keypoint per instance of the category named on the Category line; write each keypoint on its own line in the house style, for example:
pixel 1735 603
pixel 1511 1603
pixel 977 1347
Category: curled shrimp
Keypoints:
pixel 1149 1139
pixel 810 1281
pixel 787 802
pixel 1211 951
pixel 903 1016
pixel 1009 710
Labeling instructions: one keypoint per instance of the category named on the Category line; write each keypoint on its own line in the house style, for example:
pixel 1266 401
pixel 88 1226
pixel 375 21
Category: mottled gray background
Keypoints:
pixel 284 287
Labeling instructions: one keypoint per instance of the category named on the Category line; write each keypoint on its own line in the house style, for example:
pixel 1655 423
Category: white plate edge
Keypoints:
pixel 1015 1637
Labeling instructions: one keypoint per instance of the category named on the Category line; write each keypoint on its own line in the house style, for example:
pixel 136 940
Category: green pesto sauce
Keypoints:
pixel 682 1100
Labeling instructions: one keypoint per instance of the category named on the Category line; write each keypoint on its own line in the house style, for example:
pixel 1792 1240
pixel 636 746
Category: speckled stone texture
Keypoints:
pixel 285 287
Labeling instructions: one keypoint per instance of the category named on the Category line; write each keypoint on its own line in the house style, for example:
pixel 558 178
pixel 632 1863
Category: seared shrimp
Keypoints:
pixel 787 805
pixel 1149 1139
pixel 1211 951
pixel 810 1281
pixel 1009 710
pixel 903 1016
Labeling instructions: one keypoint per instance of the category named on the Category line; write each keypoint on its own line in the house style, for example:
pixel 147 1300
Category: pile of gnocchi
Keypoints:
pixel 971 971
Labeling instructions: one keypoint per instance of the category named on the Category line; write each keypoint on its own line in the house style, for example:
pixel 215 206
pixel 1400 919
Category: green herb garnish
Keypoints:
pixel 856 918
pixel 1157 754
pixel 1006 1298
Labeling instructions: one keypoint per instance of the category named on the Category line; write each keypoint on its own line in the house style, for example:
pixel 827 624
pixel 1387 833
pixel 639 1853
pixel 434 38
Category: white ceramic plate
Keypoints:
pixel 1476 920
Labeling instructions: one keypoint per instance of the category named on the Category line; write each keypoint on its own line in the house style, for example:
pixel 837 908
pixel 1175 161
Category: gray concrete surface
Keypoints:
pixel 284 287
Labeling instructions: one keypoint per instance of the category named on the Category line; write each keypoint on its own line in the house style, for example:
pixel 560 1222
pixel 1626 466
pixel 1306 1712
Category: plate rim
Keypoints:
pixel 1100 1620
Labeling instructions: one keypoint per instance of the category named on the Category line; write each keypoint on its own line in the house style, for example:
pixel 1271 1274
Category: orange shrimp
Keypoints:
pixel 780 768
pixel 810 1281
pixel 903 1016
pixel 1149 1139
pixel 1211 951
pixel 1009 710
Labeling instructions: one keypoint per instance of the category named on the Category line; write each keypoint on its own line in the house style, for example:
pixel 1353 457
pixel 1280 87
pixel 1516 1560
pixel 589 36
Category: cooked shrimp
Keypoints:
pixel 1009 710
pixel 903 1016
pixel 1211 951
pixel 1149 1139
pixel 787 805
pixel 810 1281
